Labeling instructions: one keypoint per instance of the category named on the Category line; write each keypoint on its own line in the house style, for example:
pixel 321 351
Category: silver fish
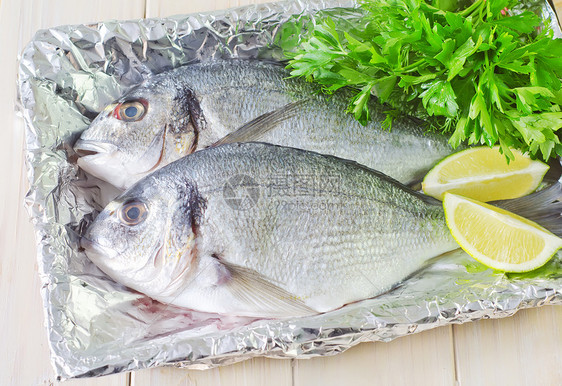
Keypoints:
pixel 254 229
pixel 178 112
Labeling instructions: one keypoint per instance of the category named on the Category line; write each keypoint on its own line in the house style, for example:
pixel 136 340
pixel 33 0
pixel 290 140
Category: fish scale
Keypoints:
pixel 290 252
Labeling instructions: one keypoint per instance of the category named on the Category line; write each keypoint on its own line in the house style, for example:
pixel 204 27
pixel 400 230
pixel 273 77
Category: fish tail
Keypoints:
pixel 543 207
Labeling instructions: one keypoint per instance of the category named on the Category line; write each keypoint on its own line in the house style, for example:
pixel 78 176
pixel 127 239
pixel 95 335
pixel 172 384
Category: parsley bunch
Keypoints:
pixel 476 72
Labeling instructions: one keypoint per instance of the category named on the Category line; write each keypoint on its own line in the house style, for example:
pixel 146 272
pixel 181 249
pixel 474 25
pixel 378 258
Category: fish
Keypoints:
pixel 260 230
pixel 177 112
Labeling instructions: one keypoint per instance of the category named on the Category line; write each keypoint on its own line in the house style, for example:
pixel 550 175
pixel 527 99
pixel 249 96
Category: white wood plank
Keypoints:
pixel 254 372
pixel 161 8
pixel 558 9
pixel 49 13
pixel 24 356
pixel 522 350
pixel 24 360
pixel 420 359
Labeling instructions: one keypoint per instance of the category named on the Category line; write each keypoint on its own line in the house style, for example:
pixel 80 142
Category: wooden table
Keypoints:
pixel 522 350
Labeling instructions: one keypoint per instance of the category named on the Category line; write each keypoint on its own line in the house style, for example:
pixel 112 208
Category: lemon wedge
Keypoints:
pixel 497 238
pixel 483 173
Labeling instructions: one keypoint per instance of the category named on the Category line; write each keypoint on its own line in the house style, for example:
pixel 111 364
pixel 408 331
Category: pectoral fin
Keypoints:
pixel 257 293
pixel 256 128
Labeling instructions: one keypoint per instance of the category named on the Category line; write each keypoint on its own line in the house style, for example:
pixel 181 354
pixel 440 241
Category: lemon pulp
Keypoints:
pixel 497 238
pixel 482 173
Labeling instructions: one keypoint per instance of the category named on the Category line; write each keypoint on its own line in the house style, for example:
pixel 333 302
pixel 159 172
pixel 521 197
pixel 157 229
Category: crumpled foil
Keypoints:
pixel 95 326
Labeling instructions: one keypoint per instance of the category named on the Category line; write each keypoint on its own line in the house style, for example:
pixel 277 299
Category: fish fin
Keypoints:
pixel 253 289
pixel 543 207
pixel 554 171
pixel 259 126
pixel 415 184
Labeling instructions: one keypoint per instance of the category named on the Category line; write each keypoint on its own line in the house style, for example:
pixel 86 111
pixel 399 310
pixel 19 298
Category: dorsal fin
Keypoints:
pixel 256 128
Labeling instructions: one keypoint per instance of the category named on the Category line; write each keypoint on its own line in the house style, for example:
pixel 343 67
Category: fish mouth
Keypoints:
pixel 86 148
pixel 96 251
pixel 104 161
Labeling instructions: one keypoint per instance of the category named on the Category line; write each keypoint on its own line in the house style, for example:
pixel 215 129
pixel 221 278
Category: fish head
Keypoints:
pixel 149 127
pixel 146 239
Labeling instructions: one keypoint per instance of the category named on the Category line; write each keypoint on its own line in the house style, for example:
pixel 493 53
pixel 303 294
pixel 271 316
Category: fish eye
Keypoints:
pixel 130 111
pixel 133 212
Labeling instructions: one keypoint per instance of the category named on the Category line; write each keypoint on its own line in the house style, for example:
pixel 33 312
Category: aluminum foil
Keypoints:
pixel 95 326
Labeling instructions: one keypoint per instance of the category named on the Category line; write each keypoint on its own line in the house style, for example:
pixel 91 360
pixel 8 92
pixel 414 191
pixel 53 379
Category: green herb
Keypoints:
pixel 475 72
